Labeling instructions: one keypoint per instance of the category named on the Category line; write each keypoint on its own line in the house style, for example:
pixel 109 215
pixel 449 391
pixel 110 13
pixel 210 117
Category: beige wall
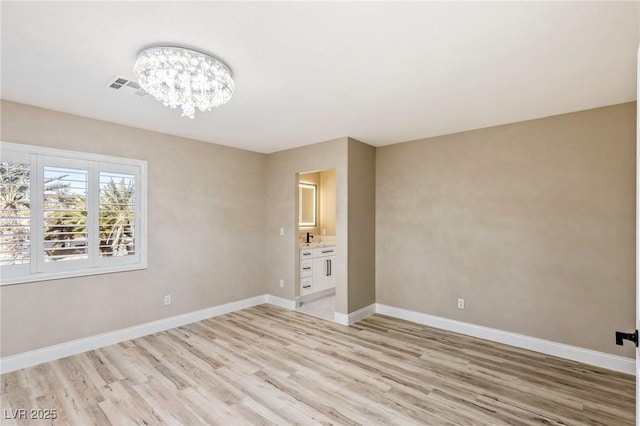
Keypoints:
pixel 206 233
pixel 362 230
pixel 354 165
pixel 532 223
pixel 328 204
pixel 282 199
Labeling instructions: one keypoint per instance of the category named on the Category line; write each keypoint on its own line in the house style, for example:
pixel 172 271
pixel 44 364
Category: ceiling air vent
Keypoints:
pixel 126 86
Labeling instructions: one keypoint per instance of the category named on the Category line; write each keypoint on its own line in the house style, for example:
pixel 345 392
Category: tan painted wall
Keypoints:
pixel 214 255
pixel 328 205
pixel 362 226
pixel 282 199
pixel 532 223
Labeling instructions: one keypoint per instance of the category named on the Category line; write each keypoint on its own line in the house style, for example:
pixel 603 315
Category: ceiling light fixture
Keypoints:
pixel 183 77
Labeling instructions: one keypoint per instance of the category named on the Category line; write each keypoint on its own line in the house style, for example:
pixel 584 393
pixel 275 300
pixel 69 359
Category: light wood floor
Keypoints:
pixel 266 365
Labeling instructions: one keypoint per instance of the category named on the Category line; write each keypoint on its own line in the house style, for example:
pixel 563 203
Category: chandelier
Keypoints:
pixel 183 77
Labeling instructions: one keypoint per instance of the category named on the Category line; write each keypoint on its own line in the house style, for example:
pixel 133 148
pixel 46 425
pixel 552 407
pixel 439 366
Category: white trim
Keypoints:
pixel 342 319
pixel 279 301
pixel 86 272
pixel 318 295
pixel 44 150
pixel 354 317
pixel 574 353
pixel 51 353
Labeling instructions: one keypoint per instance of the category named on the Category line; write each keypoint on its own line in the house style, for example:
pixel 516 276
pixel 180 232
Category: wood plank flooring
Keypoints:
pixel 266 366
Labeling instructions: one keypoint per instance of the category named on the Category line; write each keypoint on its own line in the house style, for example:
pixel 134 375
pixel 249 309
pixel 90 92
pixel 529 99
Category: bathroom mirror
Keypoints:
pixel 307 205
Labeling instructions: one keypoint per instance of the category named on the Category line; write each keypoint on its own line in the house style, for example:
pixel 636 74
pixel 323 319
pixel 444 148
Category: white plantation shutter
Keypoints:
pixel 65 195
pixel 117 214
pixel 15 213
pixel 79 214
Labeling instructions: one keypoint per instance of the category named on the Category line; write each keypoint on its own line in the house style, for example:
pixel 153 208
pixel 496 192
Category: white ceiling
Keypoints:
pixel 382 73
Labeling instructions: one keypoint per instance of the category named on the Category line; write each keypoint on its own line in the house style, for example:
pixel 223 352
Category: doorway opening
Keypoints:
pixel 316 254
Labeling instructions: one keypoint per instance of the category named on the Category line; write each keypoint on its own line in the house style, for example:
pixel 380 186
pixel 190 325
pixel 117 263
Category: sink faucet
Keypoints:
pixel 309 237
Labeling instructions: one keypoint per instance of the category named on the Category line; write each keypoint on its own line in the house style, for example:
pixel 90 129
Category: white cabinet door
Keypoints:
pixel 324 273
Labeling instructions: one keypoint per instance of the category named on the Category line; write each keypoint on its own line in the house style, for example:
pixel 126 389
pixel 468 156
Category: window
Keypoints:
pixel 64 203
pixel 16 213
pixel 117 214
pixel 68 213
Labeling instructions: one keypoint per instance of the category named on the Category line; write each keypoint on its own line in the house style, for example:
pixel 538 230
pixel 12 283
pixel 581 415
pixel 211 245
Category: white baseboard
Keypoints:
pixel 317 295
pixel 50 353
pixel 354 317
pixel 574 353
pixel 279 301
pixel 74 347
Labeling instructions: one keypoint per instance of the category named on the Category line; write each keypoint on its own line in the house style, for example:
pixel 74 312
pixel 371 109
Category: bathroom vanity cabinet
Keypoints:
pixel 317 272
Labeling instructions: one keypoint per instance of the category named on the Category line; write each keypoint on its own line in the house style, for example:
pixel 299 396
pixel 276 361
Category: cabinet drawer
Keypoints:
pixel 306 254
pixel 306 268
pixel 325 251
pixel 306 285
pixel 317 252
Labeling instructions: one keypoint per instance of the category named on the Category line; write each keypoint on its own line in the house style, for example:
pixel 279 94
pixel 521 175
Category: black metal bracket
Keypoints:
pixel 620 336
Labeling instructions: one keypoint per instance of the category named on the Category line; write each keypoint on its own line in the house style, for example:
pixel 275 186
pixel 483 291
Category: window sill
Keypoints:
pixel 49 276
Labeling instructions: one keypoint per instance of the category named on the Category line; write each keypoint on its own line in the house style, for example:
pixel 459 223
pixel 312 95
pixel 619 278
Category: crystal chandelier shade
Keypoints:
pixel 177 76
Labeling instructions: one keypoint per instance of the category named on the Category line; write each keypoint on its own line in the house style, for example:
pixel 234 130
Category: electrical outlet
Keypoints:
pixel 281 231
pixel 281 283
pixel 167 299
pixel 460 303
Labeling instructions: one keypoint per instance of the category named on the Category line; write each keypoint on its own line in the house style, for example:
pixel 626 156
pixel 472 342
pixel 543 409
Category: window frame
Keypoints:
pixel 38 157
